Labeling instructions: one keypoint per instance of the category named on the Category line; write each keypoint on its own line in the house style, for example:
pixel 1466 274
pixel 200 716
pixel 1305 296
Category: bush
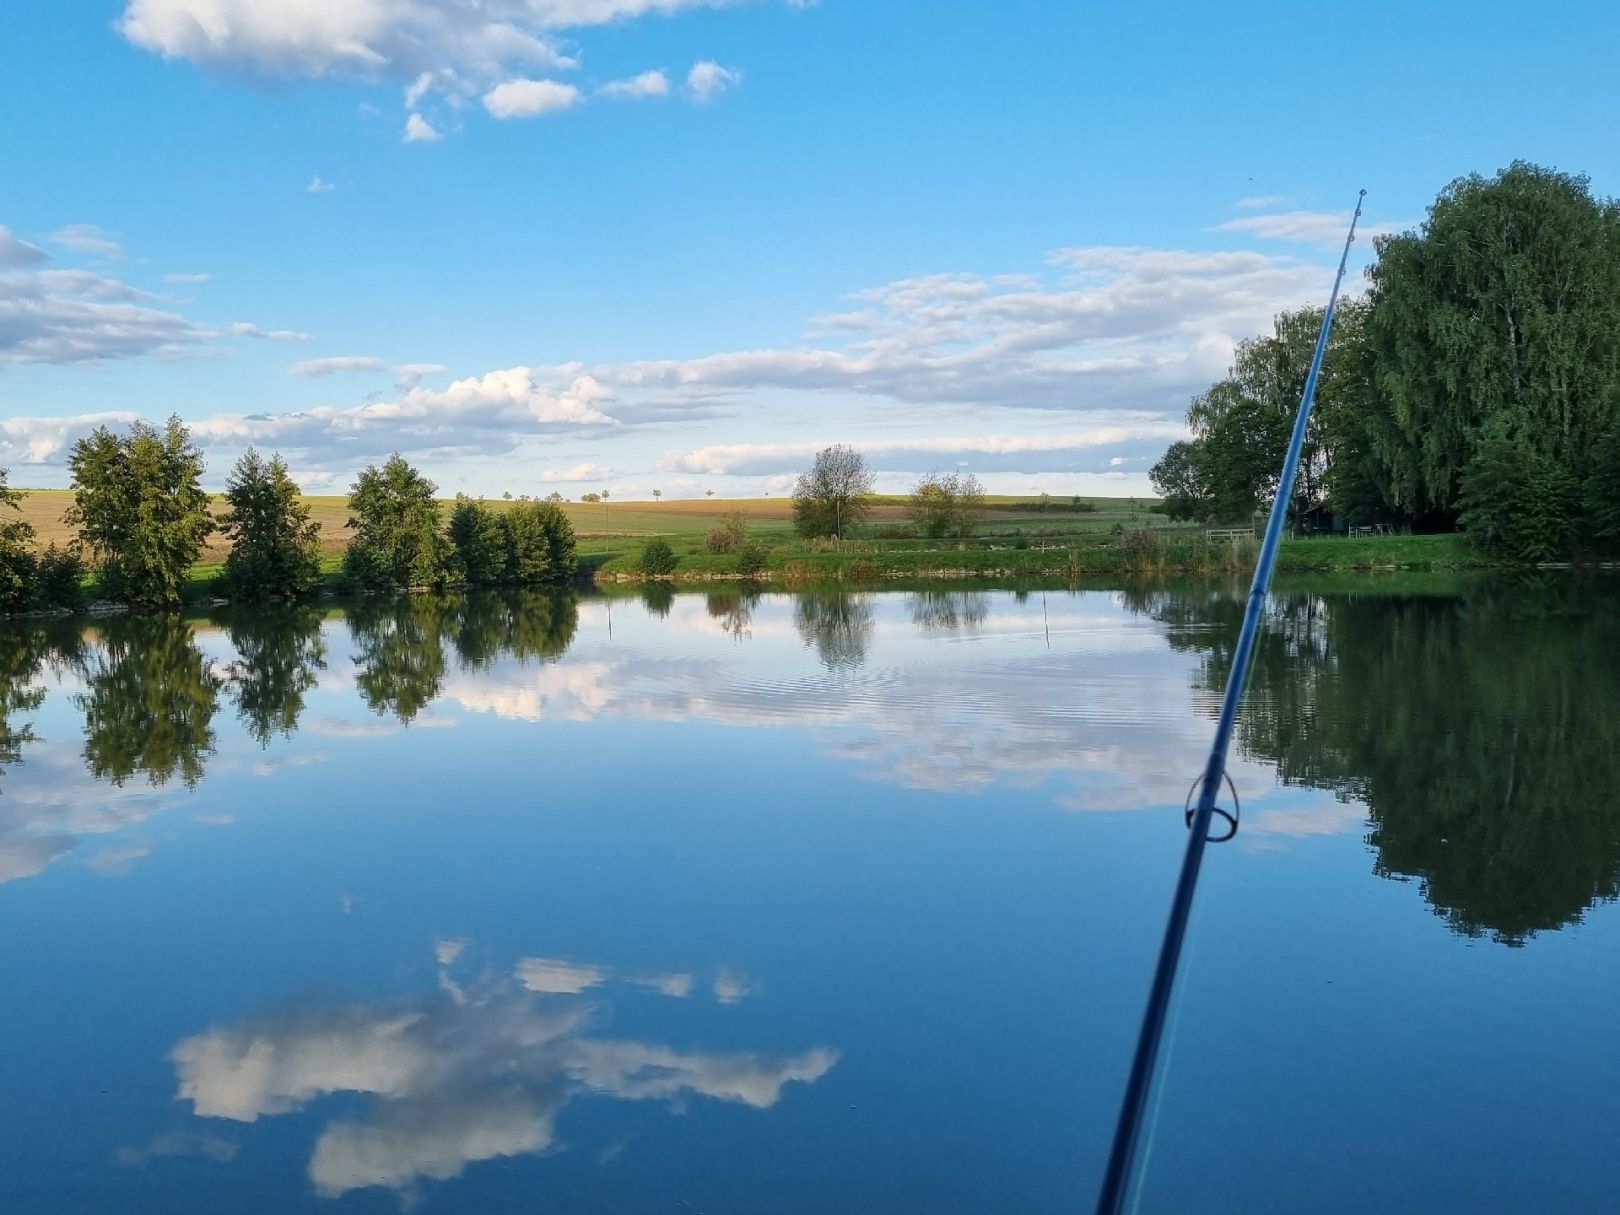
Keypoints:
pixel 59 578
pixel 752 559
pixel 721 540
pixel 657 558
pixel 1021 541
pixel 1519 502
pixel 275 545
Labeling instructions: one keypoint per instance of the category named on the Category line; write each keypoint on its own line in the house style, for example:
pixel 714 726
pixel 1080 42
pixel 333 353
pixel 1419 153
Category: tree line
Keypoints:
pixel 143 517
pixel 1475 386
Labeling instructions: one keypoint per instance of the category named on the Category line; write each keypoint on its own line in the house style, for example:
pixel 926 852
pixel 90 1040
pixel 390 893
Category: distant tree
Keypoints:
pixel 1179 478
pixel 708 493
pixel 834 495
pixel 479 538
pixel 948 504
pixel 507 495
pixel 140 509
pixel 275 545
pixel 605 496
pixel 395 519
pixel 657 494
pixel 555 496
pixel 591 498
pixel 657 557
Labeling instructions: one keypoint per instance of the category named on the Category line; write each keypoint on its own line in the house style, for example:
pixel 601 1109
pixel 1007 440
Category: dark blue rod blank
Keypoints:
pixel 1121 1157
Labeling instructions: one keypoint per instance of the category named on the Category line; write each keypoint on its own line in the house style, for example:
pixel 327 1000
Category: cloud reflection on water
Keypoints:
pixel 470 1071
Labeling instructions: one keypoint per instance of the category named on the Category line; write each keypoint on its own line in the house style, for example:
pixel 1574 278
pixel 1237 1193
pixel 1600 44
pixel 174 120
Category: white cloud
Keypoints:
pixel 14 251
pixel 557 976
pixel 574 474
pixel 249 329
pixel 647 84
pixel 87 238
pixel 1016 452
pixel 50 315
pixel 1255 202
pixel 318 186
pixel 411 374
pixel 420 130
pixel 187 278
pixel 333 364
pixel 1307 227
pixel 527 98
pixel 707 80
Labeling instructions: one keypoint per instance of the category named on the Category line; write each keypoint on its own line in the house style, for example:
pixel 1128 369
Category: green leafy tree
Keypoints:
pixel 275 545
pixel 19 568
pixel 657 557
pixel 395 519
pixel 834 495
pixel 948 504
pixel 1506 302
pixel 528 540
pixel 140 509
pixel 1602 490
pixel 1179 478
pixel 479 539
pixel 1517 500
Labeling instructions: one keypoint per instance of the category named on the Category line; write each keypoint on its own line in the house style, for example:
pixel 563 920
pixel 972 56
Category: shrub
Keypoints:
pixel 721 540
pixel 1021 541
pixel 59 578
pixel 480 541
pixel 752 559
pixel 657 558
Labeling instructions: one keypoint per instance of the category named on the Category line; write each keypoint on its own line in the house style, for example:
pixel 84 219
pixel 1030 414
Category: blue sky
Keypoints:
pixel 673 244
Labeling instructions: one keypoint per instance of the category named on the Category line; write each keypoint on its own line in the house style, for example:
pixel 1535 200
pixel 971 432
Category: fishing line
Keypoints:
pixel 1116 1181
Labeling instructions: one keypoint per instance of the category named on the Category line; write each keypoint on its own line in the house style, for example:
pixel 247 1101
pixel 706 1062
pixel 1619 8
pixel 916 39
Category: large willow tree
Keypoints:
pixel 1499 318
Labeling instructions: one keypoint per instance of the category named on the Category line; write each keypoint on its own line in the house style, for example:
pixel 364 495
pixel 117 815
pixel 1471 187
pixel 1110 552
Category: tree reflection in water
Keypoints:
pixel 1481 731
pixel 149 700
pixel 838 624
pixel 279 654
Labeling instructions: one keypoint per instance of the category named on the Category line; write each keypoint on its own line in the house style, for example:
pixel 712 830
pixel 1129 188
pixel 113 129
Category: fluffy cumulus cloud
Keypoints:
pixel 528 98
pixel 420 130
pixel 707 80
pixel 1082 366
pixel 647 84
pixel 451 50
pixel 463 1073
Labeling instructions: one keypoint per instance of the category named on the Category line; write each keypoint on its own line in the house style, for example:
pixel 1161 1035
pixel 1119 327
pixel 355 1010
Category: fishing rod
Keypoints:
pixel 1116 1181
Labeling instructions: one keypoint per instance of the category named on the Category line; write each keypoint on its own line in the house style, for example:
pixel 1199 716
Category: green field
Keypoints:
pixel 1017 538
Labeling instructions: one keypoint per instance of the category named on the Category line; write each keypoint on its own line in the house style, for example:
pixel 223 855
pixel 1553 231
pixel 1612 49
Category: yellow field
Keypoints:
pixel 693 516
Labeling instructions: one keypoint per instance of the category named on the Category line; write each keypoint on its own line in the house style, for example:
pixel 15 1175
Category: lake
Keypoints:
pixel 739 903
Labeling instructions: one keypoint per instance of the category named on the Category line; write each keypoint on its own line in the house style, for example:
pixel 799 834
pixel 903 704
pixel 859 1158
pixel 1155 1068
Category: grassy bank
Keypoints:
pixel 1018 539
pixel 1076 557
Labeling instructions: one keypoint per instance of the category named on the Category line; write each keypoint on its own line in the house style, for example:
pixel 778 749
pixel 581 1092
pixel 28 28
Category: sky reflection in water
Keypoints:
pixel 456 901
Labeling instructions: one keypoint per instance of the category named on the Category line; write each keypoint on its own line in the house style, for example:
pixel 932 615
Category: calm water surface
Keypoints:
pixel 825 903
